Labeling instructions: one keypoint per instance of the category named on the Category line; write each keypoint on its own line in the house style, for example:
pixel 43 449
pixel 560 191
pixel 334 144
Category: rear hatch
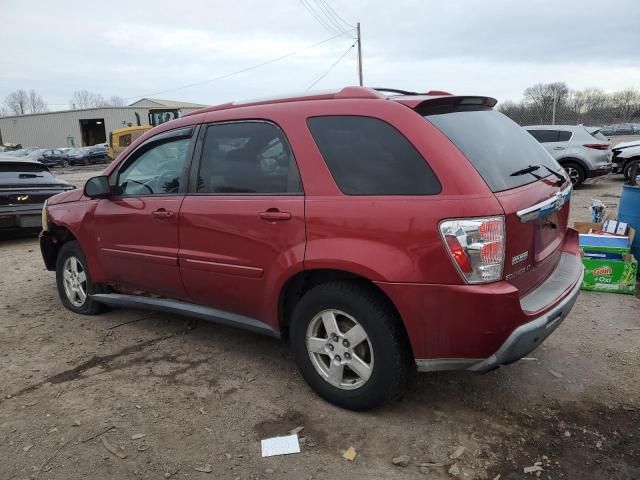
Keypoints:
pixel 529 184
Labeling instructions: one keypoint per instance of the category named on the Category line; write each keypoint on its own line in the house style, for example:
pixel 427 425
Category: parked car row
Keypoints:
pixel 623 129
pixel 61 157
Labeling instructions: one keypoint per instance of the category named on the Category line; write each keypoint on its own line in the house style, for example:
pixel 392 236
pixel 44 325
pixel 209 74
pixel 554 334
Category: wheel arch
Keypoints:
pixel 581 163
pixel 300 283
pixel 52 241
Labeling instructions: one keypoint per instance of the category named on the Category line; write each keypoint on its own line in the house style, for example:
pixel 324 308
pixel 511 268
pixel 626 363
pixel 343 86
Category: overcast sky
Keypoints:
pixel 492 47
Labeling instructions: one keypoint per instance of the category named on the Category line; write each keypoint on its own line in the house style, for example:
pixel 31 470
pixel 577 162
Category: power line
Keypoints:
pixel 336 15
pixel 326 13
pixel 331 67
pixel 227 75
pixel 322 20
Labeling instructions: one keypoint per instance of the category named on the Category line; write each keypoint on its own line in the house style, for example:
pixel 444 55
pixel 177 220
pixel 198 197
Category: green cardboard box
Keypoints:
pixel 608 274
pixel 614 276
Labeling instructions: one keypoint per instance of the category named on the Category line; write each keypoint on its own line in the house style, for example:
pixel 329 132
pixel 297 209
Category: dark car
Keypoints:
pixel 55 157
pixel 78 156
pixel 24 187
pixel 378 234
pixel 97 154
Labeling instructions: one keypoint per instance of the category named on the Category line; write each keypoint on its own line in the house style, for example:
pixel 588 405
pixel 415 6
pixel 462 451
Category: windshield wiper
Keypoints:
pixel 530 169
pixel 561 178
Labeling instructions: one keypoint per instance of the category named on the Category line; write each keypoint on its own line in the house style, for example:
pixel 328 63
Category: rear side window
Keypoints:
pixel 545 136
pixel 367 156
pixel 564 136
pixel 495 145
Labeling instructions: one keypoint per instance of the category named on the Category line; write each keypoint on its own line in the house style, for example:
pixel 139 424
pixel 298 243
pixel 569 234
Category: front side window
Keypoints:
pixel 367 156
pixel 247 158
pixel 156 171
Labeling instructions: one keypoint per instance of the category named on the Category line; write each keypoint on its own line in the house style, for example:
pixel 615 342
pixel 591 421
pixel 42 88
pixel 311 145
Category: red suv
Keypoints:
pixel 378 231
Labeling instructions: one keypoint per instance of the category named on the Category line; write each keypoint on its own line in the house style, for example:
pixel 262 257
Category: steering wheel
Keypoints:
pixel 140 183
pixel 165 180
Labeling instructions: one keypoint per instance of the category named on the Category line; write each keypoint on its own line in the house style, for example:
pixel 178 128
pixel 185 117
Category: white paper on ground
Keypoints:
pixel 280 445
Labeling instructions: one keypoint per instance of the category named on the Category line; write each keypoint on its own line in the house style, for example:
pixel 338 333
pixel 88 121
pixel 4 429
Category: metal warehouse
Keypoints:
pixel 81 127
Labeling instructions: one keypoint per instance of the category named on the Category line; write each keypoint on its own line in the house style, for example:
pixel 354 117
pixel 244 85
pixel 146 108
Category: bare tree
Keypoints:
pixel 543 96
pixel 17 102
pixel 116 101
pixel 36 102
pixel 4 111
pixel 626 102
pixel 87 99
pixel 595 99
pixel 82 99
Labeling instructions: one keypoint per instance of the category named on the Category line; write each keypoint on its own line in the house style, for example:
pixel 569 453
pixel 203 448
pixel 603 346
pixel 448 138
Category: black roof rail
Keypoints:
pixel 395 90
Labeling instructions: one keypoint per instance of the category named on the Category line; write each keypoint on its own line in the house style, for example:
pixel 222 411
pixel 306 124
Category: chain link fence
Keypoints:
pixel 612 121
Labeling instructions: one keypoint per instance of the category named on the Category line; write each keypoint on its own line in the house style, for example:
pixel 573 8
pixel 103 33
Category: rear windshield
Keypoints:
pixel 23 170
pixel 495 145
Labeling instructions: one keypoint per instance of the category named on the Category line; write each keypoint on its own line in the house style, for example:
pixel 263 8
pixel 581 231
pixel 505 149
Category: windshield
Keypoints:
pixel 495 145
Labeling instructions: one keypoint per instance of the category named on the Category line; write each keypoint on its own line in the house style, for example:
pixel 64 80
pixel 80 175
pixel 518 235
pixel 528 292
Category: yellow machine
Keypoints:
pixel 121 138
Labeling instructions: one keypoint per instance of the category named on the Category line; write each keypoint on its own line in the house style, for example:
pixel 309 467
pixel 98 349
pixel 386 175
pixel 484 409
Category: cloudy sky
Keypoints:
pixel 135 49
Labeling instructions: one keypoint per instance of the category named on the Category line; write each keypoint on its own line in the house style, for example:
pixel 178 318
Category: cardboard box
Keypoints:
pixel 615 276
pixel 609 265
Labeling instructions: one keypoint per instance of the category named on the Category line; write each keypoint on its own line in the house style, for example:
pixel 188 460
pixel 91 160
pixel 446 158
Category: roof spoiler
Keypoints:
pixel 447 103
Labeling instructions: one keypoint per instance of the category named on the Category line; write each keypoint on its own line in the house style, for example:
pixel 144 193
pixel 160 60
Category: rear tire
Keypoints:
pixel 350 346
pixel 74 280
pixel 629 165
pixel 575 172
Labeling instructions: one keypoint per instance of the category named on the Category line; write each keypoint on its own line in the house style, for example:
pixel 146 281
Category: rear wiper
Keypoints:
pixel 561 178
pixel 530 169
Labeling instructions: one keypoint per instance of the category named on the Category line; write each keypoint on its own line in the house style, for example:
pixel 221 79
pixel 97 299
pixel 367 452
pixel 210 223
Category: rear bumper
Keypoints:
pixel 600 171
pixel 479 327
pixel 24 216
pixel 528 336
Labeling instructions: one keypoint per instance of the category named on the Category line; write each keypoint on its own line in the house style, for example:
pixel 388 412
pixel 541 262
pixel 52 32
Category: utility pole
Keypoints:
pixel 555 100
pixel 359 54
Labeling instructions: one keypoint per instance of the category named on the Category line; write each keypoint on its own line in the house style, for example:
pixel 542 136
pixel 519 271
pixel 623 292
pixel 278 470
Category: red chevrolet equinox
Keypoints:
pixel 380 231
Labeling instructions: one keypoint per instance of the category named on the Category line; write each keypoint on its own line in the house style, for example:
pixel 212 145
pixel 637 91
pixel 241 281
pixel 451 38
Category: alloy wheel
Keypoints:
pixel 574 175
pixel 340 349
pixel 74 279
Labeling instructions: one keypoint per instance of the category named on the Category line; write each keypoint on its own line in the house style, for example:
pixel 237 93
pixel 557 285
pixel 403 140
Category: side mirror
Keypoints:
pixel 97 187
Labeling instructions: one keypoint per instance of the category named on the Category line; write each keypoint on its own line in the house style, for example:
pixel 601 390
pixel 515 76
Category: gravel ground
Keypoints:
pixel 178 395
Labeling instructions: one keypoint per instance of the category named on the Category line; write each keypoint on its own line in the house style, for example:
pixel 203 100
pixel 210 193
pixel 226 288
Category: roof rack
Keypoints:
pixel 346 92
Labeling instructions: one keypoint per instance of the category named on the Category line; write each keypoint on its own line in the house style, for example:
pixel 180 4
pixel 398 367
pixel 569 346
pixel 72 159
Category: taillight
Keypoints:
pixel 597 146
pixel 476 246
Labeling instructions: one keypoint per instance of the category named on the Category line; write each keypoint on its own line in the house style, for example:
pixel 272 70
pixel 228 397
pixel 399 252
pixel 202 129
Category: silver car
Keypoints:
pixel 582 151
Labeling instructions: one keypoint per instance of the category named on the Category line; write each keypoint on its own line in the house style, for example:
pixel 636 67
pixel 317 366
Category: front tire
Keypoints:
pixel 350 346
pixel 629 165
pixel 74 280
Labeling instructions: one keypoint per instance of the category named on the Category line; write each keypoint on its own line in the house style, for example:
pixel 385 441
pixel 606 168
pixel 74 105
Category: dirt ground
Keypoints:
pixel 177 395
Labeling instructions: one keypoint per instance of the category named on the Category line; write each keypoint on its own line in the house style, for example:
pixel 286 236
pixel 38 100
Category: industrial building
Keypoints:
pixel 82 127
